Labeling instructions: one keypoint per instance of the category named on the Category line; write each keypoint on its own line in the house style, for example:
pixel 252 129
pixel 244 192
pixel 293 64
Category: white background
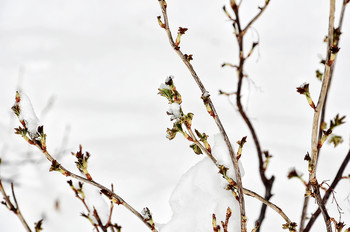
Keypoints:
pixel 100 64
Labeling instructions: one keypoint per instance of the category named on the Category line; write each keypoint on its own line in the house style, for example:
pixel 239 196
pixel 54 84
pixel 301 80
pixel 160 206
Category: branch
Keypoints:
pixel 323 113
pixel 262 9
pixel 315 126
pixel 209 104
pixel 240 68
pixel 39 140
pixel 326 196
pixel 14 208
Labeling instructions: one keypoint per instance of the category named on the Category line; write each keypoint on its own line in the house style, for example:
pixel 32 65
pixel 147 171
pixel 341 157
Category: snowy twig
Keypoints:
pixel 38 139
pixel 326 196
pixel 168 90
pixel 240 33
pixel 210 107
pixel 14 208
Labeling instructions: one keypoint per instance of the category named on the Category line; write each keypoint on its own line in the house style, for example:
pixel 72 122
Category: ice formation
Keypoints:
pixel 174 110
pixel 28 115
pixel 200 193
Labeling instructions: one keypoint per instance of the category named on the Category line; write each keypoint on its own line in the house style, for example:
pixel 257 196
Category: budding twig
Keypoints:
pixel 315 125
pixel 39 142
pixel 165 25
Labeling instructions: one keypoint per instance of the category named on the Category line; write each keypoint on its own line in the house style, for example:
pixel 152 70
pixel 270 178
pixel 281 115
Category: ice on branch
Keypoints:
pixel 27 114
pixel 200 193
pixel 175 111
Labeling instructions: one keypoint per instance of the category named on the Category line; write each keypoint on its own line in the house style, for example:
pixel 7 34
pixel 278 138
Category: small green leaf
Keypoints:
pixel 337 121
pixel 196 149
pixel 336 140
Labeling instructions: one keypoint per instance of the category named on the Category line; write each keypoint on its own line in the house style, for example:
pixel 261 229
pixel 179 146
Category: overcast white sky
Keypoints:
pixel 101 62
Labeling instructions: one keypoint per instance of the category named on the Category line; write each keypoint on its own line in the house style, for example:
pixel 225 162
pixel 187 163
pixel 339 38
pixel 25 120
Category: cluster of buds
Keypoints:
pixel 55 166
pixel 82 162
pixel 204 139
pixel 304 89
pixel 78 191
pixel 182 122
pixel 216 227
pixel 231 184
pixel 147 216
pixel 339 226
pixel 290 226
pixel 336 139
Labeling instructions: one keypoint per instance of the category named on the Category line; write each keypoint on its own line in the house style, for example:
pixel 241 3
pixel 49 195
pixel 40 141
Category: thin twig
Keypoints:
pixel 240 68
pixel 115 198
pixel 15 209
pixel 247 192
pixel 163 6
pixel 326 196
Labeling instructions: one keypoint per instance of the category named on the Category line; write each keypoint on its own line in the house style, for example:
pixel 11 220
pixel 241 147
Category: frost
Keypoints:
pixel 169 78
pixel 200 193
pixel 303 85
pixel 175 111
pixel 206 94
pixel 164 86
pixel 28 115
pixel 146 214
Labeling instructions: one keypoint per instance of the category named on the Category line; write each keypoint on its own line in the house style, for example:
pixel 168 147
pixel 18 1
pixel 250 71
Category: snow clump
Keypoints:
pixel 28 115
pixel 175 111
pixel 200 193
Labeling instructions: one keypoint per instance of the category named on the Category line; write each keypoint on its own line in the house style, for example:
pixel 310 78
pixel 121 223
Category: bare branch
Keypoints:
pixel 326 196
pixel 15 209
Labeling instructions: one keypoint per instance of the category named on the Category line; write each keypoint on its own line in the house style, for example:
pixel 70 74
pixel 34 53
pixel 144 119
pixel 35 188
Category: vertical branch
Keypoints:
pixel 323 112
pixel 315 125
pixel 210 105
pixel 240 33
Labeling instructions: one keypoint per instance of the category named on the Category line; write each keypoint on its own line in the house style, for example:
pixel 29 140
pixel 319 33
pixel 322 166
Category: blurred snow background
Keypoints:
pixel 92 68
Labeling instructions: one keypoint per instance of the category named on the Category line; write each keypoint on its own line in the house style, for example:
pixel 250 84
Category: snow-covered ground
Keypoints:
pixel 92 69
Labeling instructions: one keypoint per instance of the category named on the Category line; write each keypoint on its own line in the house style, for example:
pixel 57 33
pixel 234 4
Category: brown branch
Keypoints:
pixel 39 140
pixel 247 192
pixel 14 208
pixel 262 9
pixel 114 197
pixel 165 25
pixel 326 196
pixel 240 68
pixel 323 113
